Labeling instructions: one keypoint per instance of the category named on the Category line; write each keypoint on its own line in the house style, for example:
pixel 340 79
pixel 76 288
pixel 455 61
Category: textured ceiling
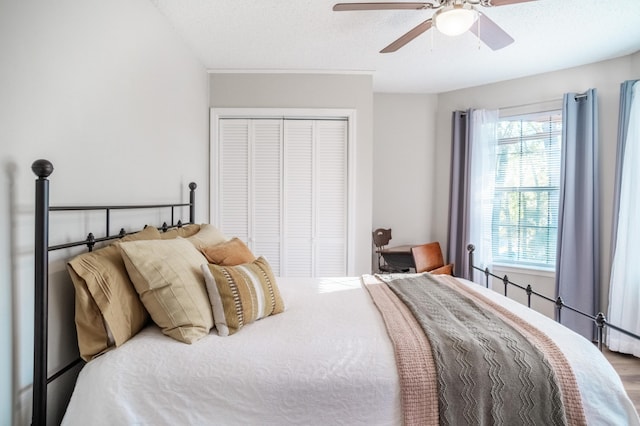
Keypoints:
pixel 306 35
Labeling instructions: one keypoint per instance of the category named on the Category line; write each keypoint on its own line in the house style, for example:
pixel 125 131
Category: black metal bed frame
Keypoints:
pixel 599 319
pixel 43 169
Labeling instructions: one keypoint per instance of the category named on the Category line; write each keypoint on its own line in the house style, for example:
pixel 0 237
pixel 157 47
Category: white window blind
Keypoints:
pixel 527 186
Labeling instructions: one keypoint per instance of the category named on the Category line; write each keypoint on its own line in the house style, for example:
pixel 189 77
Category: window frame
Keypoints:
pixel 552 117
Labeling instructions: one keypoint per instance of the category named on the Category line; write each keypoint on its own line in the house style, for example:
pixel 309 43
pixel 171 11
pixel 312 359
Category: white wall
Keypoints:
pixel 405 158
pixel 5 300
pixel 604 76
pixel 110 95
pixel 635 64
pixel 314 91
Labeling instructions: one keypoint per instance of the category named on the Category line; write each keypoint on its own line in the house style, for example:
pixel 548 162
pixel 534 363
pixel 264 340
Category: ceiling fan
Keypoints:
pixel 451 17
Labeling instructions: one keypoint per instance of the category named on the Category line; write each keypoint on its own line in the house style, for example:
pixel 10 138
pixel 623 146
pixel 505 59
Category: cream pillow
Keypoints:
pixel 242 294
pixel 207 236
pixel 167 276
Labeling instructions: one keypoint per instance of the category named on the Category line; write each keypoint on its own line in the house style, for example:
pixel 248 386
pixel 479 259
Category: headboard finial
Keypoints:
pixel 42 168
pixel 192 186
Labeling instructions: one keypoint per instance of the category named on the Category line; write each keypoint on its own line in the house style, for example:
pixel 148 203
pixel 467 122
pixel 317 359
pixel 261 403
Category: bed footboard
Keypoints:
pixel 599 319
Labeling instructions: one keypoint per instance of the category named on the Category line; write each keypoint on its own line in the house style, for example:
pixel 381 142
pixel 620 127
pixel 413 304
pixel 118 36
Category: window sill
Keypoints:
pixel 525 270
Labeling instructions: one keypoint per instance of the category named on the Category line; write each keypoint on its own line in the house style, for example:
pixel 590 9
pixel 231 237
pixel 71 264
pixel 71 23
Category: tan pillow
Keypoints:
pixel 167 276
pixel 230 253
pixel 93 338
pixel 242 294
pixel 184 232
pixel 207 236
pixel 108 309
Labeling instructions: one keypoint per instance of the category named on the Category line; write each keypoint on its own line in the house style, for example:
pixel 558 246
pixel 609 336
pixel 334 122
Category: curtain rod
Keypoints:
pixel 524 105
pixel 576 97
pixel 548 101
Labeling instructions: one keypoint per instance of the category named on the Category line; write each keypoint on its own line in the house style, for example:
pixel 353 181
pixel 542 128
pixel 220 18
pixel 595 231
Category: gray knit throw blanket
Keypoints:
pixel 488 373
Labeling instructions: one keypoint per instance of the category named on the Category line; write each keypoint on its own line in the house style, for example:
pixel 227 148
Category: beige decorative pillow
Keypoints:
pixel 242 294
pixel 184 232
pixel 207 236
pixel 167 276
pixel 229 253
pixel 108 309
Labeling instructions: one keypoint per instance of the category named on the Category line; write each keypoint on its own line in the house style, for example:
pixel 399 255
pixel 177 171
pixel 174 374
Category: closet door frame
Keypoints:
pixel 216 114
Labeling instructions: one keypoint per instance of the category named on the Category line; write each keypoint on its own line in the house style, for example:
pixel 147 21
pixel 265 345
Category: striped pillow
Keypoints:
pixel 241 294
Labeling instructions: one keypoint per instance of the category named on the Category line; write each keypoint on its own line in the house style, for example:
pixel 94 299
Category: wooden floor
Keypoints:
pixel 628 367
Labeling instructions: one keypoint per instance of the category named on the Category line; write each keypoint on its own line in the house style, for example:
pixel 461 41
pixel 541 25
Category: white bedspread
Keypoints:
pixel 325 360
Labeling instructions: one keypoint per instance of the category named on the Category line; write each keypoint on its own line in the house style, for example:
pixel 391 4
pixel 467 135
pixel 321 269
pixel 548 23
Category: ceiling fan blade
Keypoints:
pixel 490 33
pixel 495 3
pixel 382 6
pixel 406 38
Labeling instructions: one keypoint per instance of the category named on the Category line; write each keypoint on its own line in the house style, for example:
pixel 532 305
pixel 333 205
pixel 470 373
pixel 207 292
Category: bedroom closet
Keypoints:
pixel 281 185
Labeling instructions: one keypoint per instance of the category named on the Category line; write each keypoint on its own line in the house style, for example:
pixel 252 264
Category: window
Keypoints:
pixel 527 185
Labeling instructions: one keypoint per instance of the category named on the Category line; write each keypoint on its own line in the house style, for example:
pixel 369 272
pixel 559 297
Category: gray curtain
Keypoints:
pixel 458 229
pixel 578 251
pixel 623 125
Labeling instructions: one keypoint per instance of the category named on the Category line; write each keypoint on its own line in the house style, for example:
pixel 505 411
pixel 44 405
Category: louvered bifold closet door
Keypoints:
pixel 233 196
pixel 266 190
pixel 251 185
pixel 283 191
pixel 331 198
pixel 315 197
pixel 298 214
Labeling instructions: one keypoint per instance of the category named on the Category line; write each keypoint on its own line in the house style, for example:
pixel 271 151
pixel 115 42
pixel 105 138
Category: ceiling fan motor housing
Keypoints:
pixel 455 18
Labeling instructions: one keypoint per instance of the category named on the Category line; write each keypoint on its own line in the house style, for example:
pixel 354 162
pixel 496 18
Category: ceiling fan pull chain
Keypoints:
pixel 432 41
pixel 479 32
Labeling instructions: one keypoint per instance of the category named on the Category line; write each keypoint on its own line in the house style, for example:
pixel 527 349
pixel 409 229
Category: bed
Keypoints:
pixel 325 352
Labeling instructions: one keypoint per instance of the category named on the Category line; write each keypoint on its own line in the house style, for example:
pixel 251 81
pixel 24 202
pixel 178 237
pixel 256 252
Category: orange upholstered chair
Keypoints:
pixel 428 258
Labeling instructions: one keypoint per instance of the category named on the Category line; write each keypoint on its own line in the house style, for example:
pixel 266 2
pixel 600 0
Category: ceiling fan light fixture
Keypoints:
pixel 455 19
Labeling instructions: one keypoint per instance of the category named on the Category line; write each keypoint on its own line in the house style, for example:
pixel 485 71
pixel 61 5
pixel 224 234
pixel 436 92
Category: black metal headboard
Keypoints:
pixel 43 169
